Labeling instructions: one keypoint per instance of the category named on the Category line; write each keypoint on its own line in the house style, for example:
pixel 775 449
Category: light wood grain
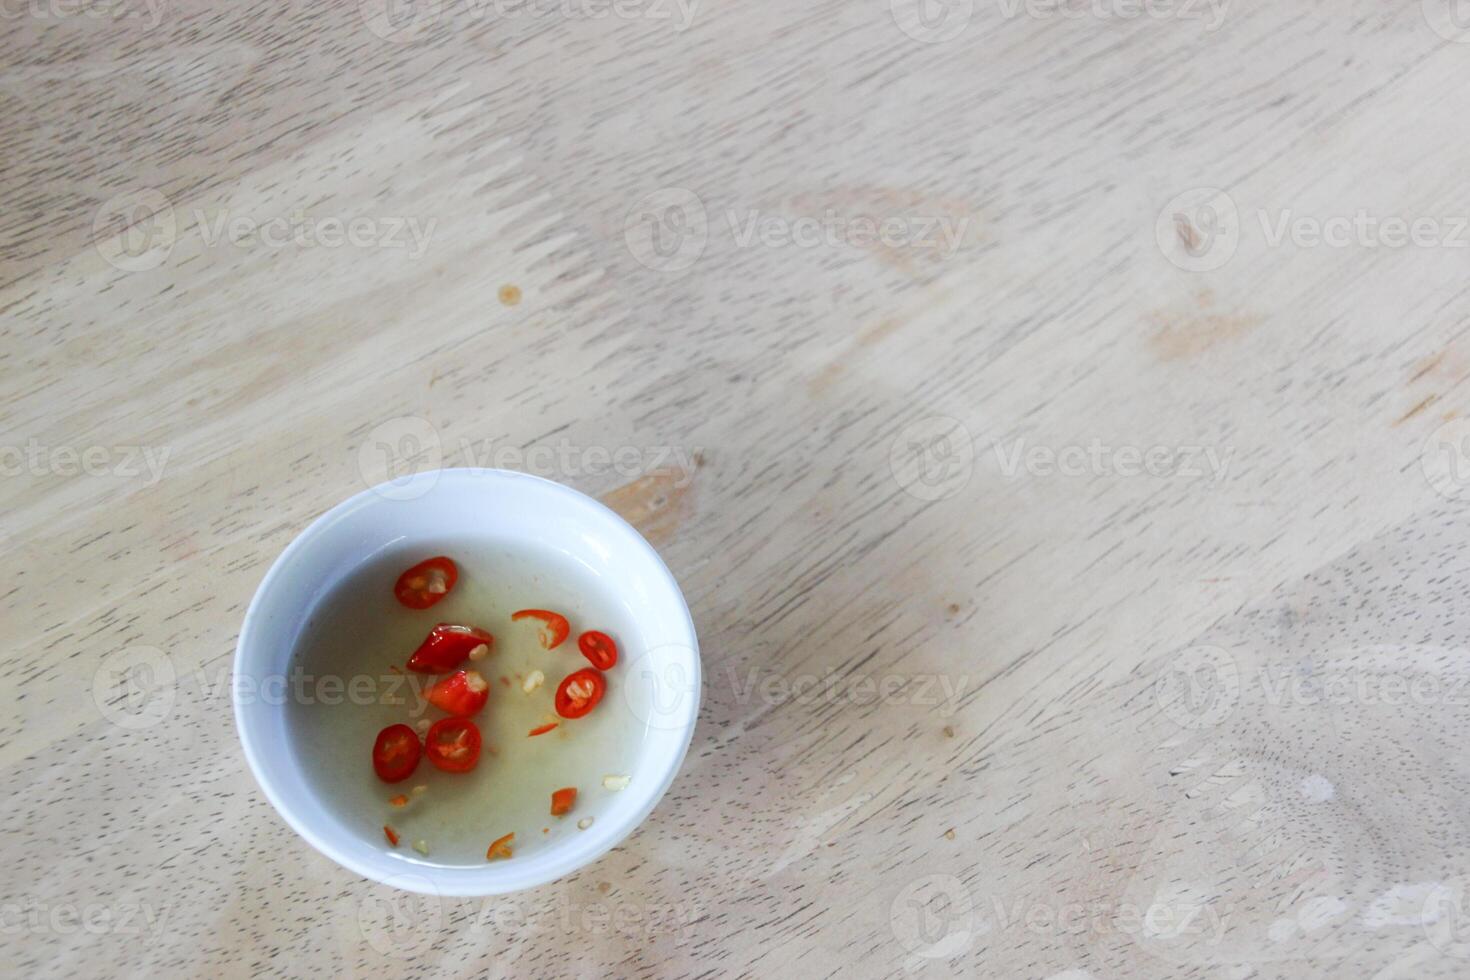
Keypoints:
pixel 947 727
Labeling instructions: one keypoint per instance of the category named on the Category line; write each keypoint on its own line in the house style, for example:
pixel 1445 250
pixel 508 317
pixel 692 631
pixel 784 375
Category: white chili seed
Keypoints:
pixel 615 783
pixel 480 652
pixel 584 823
pixel 533 680
pixel 422 847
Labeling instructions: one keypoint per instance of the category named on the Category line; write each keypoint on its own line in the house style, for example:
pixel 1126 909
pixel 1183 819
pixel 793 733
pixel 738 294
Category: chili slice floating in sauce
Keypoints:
pixel 554 632
pixel 599 649
pixel 453 744
pixel 447 646
pixel 541 729
pixel 426 583
pixel 562 800
pixel 396 753
pixel 500 848
pixel 579 692
pixel 462 693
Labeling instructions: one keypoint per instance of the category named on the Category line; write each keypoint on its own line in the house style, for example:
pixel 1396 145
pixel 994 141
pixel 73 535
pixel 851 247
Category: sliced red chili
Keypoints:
pixel 541 729
pixel 447 646
pixel 500 848
pixel 426 583
pixel 392 835
pixel 555 629
pixel 579 692
pixel 599 649
pixel 396 753
pixel 453 744
pixel 562 800
pixel 462 693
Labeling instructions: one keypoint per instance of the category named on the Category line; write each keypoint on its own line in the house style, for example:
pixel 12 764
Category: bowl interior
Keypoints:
pixel 658 684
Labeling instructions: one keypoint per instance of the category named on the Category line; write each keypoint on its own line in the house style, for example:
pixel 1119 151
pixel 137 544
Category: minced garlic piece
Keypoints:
pixel 533 680
pixel 615 783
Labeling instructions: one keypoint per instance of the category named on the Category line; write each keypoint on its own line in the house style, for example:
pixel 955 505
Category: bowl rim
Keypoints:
pixel 502 877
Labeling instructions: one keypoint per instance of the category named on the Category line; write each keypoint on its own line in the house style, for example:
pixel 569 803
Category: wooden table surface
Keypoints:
pixel 1052 414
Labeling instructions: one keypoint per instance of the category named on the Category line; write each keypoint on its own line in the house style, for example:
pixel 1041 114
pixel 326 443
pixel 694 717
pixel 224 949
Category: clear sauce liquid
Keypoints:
pixel 358 631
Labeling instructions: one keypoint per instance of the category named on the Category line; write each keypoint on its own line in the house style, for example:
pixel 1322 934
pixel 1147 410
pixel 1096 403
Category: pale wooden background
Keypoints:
pixel 1059 813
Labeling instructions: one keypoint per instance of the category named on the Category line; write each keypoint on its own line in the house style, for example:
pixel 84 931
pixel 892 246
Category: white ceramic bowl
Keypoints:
pixel 660 685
